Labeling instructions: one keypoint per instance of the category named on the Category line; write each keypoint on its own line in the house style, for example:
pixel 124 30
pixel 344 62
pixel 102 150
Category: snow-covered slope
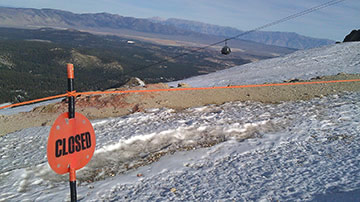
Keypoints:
pixel 305 64
pixel 288 157
pixel 241 151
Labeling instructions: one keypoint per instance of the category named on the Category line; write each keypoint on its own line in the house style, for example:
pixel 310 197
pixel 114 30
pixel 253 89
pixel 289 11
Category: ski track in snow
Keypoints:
pixel 290 151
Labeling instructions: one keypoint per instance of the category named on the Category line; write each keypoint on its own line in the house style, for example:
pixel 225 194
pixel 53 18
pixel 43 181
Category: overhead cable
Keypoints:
pixel 290 17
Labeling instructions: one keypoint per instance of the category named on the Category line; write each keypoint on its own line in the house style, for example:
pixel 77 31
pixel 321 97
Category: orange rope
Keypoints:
pixel 216 87
pixel 71 93
pixel 74 93
pixel 33 101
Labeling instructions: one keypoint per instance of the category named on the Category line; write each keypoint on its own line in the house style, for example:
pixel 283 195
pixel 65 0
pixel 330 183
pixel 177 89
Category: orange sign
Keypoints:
pixel 71 143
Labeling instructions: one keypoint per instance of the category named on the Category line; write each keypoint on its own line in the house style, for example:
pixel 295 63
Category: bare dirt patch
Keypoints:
pixel 115 105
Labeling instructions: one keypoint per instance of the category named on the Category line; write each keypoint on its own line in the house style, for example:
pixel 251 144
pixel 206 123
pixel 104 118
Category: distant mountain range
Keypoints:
pixel 284 39
pixel 34 18
pixel 182 29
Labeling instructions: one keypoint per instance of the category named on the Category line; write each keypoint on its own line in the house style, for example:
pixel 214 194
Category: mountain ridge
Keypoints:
pixel 35 18
pixel 283 39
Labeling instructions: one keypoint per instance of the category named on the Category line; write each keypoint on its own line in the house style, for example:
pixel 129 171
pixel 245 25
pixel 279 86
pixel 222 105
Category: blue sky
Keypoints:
pixel 333 22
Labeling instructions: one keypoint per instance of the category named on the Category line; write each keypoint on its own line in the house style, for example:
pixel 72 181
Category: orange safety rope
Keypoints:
pixel 71 93
pixel 33 101
pixel 216 87
pixel 74 93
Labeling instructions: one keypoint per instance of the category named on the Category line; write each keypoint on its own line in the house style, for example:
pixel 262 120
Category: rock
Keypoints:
pixel 293 80
pixel 183 85
pixel 317 78
pixel 136 108
pixel 134 81
pixel 353 36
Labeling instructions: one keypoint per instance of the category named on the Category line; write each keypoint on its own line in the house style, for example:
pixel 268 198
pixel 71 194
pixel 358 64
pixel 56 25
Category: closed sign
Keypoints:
pixel 71 143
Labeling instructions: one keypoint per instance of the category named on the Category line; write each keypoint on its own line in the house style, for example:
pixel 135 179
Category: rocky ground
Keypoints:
pixel 115 105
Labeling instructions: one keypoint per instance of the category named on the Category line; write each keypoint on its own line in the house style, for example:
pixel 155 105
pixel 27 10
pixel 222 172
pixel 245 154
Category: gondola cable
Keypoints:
pixel 290 17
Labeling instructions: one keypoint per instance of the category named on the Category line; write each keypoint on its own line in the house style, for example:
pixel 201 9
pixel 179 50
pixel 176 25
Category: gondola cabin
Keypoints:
pixel 225 50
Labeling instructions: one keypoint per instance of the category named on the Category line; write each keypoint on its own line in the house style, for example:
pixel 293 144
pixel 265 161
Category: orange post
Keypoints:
pixel 71 98
pixel 72 177
pixel 70 71
pixel 72 174
pixel 64 151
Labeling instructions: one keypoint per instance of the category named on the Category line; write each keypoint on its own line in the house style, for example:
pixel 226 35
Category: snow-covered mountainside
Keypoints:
pixel 240 151
pixel 304 64
pixel 288 157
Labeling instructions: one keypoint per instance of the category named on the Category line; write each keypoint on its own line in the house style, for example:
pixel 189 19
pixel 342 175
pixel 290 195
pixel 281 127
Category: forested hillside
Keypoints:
pixel 32 62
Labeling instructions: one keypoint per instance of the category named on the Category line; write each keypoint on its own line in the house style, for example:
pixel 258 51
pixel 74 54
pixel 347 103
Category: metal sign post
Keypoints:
pixel 71 142
pixel 71 100
pixel 70 73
